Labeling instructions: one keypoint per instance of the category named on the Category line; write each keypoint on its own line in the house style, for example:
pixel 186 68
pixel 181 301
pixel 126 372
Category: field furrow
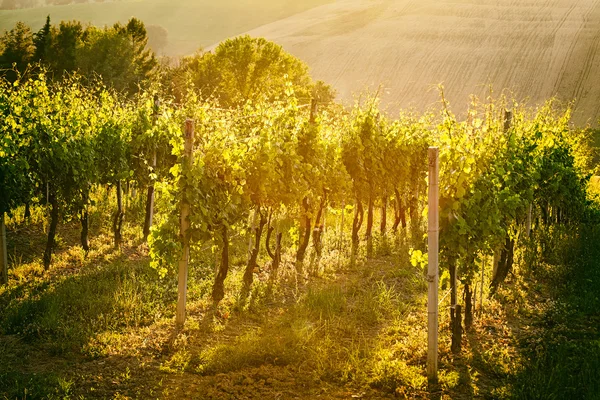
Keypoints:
pixel 530 49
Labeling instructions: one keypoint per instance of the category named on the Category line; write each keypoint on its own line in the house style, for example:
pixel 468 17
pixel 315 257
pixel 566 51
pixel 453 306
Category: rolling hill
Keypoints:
pixel 534 49
pixel 531 49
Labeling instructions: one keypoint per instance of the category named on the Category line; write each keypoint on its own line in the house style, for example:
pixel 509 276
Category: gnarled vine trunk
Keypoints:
pixel 369 231
pixel 396 217
pixel 413 203
pixel 118 219
pixel 455 310
pixel 317 235
pixel 304 236
pixel 252 265
pixel 85 227
pixel 402 214
pixel 218 291
pixel 149 210
pixel 468 307
pixel 276 255
pixel 356 224
pixel 504 265
pixel 399 212
pixel 27 213
pixel 457 330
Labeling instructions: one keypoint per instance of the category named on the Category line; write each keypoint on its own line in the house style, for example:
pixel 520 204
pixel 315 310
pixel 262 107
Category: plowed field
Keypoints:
pixel 532 49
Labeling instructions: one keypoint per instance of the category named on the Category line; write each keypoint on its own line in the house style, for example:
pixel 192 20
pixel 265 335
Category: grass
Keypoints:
pixel 110 308
pixel 102 326
pixel 191 24
pixel 562 350
pixel 35 386
pixel 74 307
pixel 337 331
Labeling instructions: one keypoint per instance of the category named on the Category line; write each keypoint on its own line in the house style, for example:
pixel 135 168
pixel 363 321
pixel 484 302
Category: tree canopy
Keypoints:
pixel 246 69
pixel 118 55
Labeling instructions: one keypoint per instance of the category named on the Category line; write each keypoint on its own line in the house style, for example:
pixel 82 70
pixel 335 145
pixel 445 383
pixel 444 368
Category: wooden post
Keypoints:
pixel 188 160
pixel 3 252
pixel 150 198
pixel 482 281
pixel 495 262
pixel 529 212
pixel 432 273
pixel 508 115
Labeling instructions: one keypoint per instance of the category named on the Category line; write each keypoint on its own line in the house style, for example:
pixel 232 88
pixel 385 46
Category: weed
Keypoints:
pixel 325 302
pixel 16 385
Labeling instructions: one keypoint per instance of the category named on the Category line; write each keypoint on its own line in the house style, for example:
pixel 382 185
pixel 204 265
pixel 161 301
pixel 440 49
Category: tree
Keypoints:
pixel 42 40
pixel 246 68
pixel 117 55
pixel 18 51
pixel 66 40
pixel 143 57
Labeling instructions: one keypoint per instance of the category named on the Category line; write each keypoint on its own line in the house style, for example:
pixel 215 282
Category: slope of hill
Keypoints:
pixel 533 49
pixel 190 24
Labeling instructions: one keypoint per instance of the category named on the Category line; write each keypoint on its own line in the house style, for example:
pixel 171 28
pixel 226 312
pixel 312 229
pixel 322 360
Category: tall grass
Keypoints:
pixel 563 354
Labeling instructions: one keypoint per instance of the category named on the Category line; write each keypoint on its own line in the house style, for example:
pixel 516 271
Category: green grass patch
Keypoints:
pixel 562 354
pixel 32 386
pixel 68 311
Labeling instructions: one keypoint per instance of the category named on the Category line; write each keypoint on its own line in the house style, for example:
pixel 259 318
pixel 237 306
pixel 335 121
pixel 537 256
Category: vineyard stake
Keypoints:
pixel 185 223
pixel 3 253
pixel 151 195
pixel 482 281
pixel 341 245
pixel 432 273
pixel 529 212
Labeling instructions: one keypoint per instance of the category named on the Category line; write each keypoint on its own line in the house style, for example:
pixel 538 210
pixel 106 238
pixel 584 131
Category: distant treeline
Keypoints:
pixel 119 54
pixel 16 4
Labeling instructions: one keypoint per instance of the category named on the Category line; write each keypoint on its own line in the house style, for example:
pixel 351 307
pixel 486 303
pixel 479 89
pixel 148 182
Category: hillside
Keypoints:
pixel 535 49
pixel 532 49
pixel 190 24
